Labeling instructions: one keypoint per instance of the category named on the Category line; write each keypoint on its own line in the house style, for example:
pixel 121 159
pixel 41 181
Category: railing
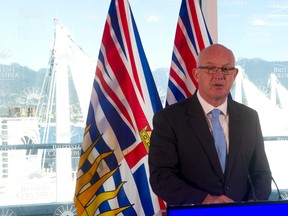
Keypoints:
pixel 28 180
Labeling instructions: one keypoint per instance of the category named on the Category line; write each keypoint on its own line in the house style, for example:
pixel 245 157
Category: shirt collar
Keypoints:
pixel 208 107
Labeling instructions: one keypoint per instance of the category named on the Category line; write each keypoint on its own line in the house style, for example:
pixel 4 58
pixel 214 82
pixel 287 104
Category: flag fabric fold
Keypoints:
pixel 113 175
pixel 191 37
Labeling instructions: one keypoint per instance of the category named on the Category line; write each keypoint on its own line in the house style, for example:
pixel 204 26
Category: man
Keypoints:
pixel 184 164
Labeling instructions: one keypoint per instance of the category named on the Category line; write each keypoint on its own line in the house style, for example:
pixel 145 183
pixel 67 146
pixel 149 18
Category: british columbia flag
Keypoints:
pixel 191 37
pixel 113 174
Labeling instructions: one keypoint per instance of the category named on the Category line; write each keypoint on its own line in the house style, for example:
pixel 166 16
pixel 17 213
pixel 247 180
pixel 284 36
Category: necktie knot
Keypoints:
pixel 215 113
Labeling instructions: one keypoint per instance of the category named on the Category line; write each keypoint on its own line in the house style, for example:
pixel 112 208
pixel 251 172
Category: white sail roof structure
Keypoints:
pixel 68 62
pixel 81 66
pixel 279 94
pixel 274 120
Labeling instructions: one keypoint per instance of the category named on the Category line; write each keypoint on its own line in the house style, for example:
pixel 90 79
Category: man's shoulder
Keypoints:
pixel 178 105
pixel 174 111
pixel 241 107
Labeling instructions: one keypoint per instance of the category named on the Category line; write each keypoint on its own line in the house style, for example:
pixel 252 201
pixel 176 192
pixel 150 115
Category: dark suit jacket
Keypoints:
pixel 183 161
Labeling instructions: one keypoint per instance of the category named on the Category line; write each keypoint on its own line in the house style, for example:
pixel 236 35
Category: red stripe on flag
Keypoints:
pixel 123 78
pixel 106 86
pixel 112 95
pixel 124 22
pixel 189 60
pixel 196 25
pixel 135 155
pixel 179 82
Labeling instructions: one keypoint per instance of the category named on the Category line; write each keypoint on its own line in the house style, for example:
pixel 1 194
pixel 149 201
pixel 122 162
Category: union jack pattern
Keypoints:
pixel 191 37
pixel 113 174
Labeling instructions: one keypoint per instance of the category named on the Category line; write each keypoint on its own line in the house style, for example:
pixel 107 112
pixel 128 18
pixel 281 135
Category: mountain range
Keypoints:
pixel 257 70
pixel 19 85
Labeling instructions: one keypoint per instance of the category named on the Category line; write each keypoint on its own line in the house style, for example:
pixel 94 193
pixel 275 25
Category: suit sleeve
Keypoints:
pixel 259 166
pixel 165 178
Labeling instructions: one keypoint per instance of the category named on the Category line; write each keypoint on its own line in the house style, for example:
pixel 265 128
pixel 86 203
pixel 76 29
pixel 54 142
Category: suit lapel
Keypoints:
pixel 234 135
pixel 199 124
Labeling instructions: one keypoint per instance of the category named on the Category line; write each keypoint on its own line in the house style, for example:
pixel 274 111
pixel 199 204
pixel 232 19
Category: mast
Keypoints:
pixel 63 134
pixel 68 62
pixel 57 87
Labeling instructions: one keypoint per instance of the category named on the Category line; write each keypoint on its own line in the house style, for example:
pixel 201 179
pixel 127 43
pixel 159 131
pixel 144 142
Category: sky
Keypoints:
pixel 28 28
pixel 251 28
pixel 254 28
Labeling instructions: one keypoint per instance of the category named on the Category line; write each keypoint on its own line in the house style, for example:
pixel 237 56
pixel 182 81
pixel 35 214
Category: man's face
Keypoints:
pixel 213 85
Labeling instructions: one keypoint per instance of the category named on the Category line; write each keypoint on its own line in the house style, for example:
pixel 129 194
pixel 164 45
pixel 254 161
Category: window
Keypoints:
pixel 48 54
pixel 256 32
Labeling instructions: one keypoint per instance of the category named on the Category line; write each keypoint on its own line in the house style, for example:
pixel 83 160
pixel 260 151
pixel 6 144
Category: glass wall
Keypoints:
pixel 48 54
pixel 256 32
pixel 45 84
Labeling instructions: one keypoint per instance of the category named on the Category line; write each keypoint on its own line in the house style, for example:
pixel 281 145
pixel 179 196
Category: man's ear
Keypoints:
pixel 236 72
pixel 195 74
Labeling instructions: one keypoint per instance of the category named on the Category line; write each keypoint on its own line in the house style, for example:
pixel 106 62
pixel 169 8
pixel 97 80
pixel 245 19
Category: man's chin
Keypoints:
pixel 220 95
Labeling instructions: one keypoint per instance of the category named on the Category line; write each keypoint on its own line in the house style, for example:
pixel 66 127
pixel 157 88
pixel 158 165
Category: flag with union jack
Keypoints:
pixel 113 175
pixel 191 37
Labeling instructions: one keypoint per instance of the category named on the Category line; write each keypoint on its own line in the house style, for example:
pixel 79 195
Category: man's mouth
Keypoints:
pixel 218 85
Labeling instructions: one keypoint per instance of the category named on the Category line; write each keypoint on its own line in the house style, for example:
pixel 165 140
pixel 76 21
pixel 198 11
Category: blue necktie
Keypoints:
pixel 219 138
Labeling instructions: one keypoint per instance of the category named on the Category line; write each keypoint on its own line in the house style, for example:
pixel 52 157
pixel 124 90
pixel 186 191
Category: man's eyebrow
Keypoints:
pixel 225 65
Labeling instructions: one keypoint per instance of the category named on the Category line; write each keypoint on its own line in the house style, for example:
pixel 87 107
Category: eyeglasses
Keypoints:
pixel 213 69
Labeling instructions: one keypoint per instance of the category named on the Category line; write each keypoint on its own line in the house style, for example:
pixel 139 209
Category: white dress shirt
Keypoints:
pixel 223 118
